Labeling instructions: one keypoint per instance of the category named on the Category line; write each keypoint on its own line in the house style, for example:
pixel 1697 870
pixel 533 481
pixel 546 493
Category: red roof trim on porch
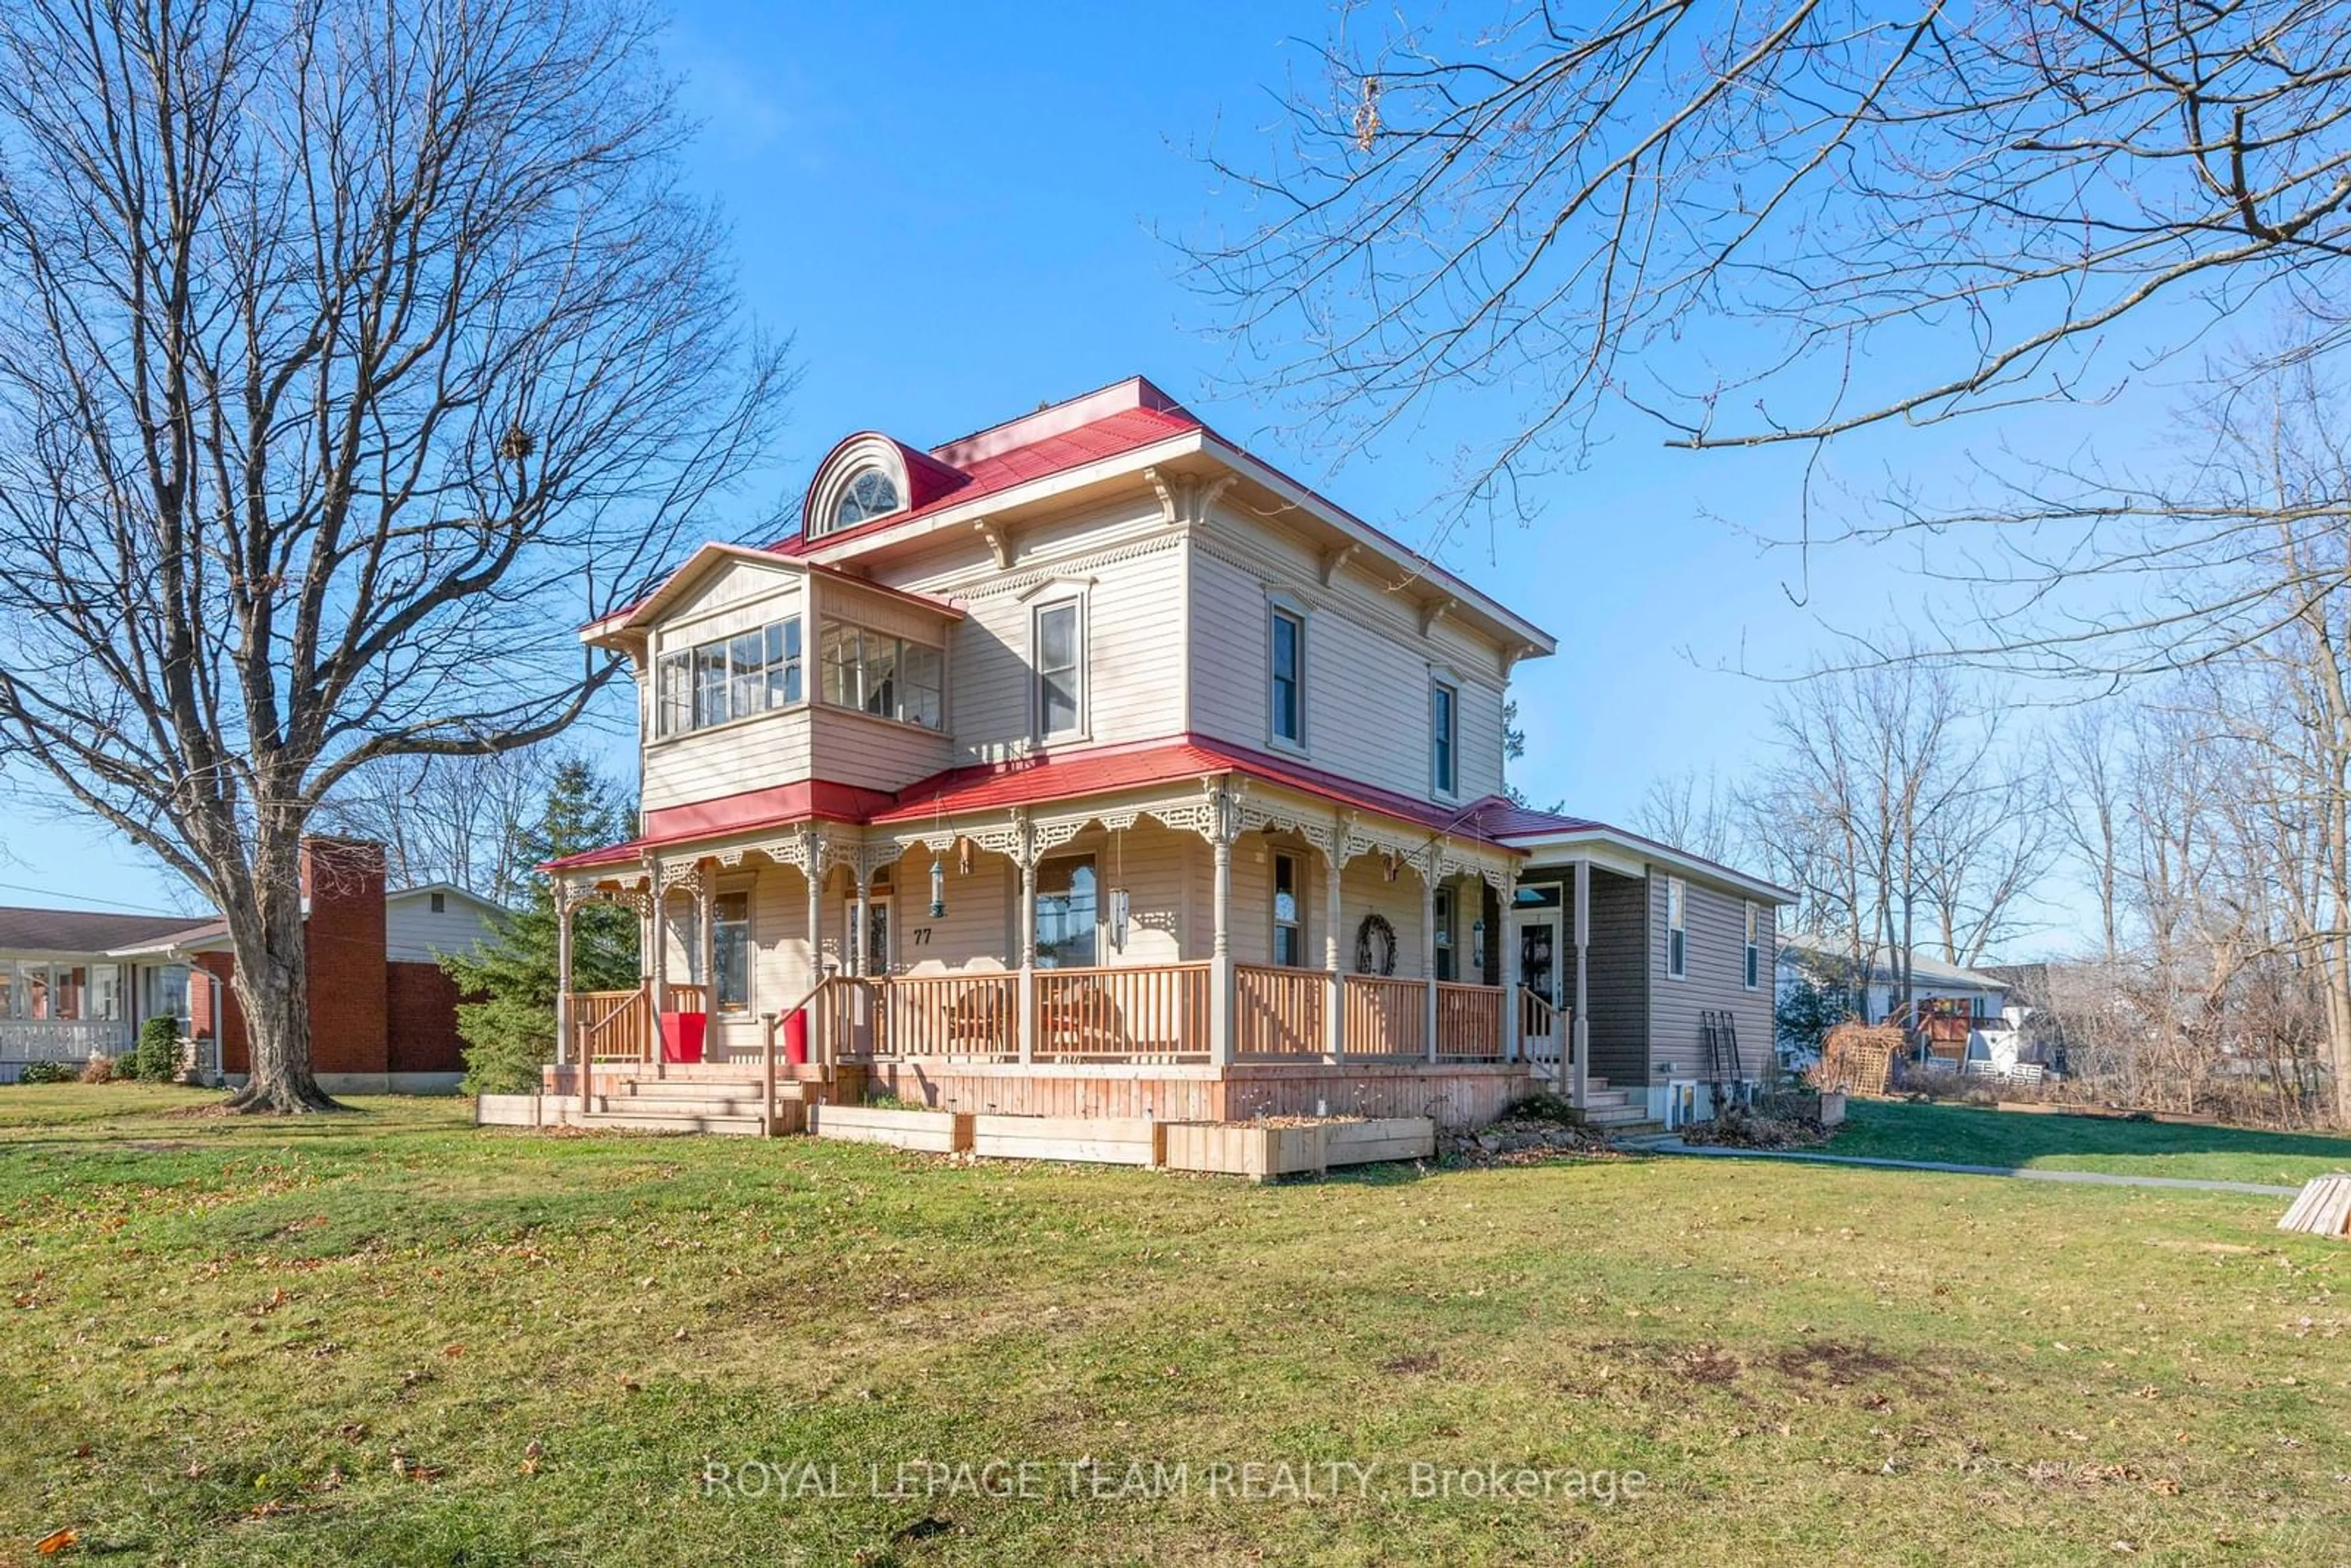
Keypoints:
pixel 777 806
pixel 1101 770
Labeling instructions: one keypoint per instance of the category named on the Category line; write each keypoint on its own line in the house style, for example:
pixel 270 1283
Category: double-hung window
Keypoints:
pixel 1059 638
pixel 727 678
pixel 730 952
pixel 1288 683
pixel 1444 723
pixel 1753 970
pixel 1289 924
pixel 1677 928
pixel 1068 916
pixel 1448 966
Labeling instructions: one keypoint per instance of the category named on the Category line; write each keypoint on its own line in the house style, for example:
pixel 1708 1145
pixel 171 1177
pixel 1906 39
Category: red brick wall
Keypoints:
pixel 343 947
pixel 424 1019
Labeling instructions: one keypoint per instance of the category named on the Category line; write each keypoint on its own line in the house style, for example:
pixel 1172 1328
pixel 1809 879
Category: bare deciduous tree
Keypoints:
pixel 1901 812
pixel 466 820
pixel 1910 212
pixel 349 355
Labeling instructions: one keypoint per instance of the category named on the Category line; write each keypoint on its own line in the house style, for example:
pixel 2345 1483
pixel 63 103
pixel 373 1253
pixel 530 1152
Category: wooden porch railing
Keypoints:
pixel 1279 1012
pixel 1384 1016
pixel 1539 1027
pixel 1157 1013
pixel 969 1017
pixel 613 1026
pixel 1468 1023
pixel 684 999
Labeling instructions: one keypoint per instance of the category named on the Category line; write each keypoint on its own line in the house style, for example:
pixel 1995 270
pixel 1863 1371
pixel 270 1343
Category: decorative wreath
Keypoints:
pixel 1375 947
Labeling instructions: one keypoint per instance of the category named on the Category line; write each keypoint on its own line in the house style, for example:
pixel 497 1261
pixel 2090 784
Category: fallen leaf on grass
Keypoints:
pixel 57 1541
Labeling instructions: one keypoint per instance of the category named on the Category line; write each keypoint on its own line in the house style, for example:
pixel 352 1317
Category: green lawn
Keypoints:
pixel 1968 1135
pixel 389 1338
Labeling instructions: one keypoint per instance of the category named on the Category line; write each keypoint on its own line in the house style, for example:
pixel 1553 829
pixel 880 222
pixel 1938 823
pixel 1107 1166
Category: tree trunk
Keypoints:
pixel 272 986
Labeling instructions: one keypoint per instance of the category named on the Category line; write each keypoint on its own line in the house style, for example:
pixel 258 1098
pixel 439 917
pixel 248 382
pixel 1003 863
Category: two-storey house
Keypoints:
pixel 1088 764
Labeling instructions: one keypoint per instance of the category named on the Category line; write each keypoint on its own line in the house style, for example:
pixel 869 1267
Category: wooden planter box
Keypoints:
pixel 1261 1153
pixel 1098 1139
pixel 932 1132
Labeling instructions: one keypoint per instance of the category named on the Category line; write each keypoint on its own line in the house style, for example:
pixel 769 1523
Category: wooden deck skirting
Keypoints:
pixel 1458 1094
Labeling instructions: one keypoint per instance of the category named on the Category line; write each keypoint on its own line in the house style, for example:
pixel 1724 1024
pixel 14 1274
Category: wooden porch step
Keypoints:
pixel 1618 1115
pixel 746 1125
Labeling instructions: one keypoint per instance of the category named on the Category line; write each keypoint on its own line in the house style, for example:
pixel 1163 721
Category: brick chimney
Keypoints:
pixel 342 887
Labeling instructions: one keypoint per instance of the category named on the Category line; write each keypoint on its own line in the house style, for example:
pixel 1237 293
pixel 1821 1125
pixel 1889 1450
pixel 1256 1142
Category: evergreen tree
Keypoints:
pixel 508 1023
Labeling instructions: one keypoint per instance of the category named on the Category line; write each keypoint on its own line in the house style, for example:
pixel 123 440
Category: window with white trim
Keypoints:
pixel 1287 672
pixel 1677 928
pixel 730 952
pixel 727 678
pixel 1753 970
pixel 871 493
pixel 1448 967
pixel 887 677
pixel 1057 654
pixel 1443 726
pixel 1288 921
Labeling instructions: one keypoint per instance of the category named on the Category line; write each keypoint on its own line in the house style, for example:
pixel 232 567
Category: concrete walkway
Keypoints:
pixel 1668 1144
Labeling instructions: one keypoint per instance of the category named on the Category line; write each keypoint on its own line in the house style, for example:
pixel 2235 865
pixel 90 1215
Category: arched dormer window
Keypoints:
pixel 867 476
pixel 870 492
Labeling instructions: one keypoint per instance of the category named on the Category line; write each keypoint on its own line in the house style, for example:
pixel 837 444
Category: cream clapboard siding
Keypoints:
pixel 1365 656
pixel 1717 925
pixel 1126 567
pixel 749 754
pixel 412 933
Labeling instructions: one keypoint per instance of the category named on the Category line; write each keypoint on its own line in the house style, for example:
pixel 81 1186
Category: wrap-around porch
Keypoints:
pixel 1211 931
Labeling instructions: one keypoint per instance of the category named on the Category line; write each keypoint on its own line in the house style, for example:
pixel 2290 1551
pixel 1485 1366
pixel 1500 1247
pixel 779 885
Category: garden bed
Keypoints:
pixel 1293 1146
pixel 928 1132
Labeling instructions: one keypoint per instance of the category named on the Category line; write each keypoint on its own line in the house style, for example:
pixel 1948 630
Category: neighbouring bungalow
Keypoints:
pixel 1088 764
pixel 68 991
pixel 382 1014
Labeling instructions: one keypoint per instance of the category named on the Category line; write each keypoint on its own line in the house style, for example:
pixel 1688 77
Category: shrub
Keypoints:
pixel 45 1072
pixel 99 1069
pixel 158 1055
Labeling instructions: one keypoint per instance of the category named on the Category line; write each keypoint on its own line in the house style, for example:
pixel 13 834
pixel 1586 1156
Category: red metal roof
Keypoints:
pixel 1070 775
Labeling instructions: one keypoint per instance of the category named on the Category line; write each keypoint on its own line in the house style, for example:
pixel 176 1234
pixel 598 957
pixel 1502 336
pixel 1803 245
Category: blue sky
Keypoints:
pixel 962 211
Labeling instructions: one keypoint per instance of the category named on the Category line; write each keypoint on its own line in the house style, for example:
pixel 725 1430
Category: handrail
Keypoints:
pixel 767 1051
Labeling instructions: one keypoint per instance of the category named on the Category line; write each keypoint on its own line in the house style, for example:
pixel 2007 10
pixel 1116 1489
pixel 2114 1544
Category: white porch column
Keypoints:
pixel 1580 1028
pixel 706 914
pixel 658 943
pixel 858 942
pixel 1429 953
pixel 1220 953
pixel 812 857
pixel 1027 1020
pixel 1334 1021
pixel 1505 899
pixel 562 974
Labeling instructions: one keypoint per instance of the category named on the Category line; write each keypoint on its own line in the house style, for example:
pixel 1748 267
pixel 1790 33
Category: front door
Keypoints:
pixel 1539 966
pixel 874 953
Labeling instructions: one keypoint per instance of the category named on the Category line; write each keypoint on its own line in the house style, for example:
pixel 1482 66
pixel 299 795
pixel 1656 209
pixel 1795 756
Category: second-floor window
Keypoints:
pixel 889 678
pixel 1444 705
pixel 728 678
pixel 1754 958
pixel 1677 928
pixel 1060 656
pixel 1289 677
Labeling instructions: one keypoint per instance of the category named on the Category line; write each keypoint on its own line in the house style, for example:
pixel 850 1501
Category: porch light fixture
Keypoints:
pixel 938 889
